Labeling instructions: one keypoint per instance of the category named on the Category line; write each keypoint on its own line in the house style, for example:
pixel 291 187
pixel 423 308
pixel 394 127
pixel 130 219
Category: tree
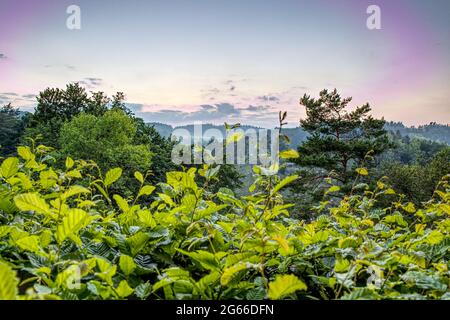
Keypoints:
pixel 109 141
pixel 339 139
pixel 56 106
pixel 417 181
pixel 12 124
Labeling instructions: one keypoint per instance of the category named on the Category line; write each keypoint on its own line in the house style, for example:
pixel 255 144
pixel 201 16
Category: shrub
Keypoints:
pixel 65 235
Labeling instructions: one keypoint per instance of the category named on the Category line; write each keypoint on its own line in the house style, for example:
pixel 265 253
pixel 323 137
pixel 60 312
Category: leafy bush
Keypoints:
pixel 65 235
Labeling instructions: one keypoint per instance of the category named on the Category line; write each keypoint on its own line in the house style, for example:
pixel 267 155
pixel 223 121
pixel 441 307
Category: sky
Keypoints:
pixel 185 61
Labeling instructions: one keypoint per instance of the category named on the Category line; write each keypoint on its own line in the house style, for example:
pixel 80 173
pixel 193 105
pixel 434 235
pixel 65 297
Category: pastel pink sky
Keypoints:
pixel 180 61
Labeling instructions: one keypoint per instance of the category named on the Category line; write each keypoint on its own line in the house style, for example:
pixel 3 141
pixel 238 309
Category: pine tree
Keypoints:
pixel 339 139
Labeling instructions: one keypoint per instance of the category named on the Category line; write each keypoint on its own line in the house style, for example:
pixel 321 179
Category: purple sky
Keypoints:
pixel 180 61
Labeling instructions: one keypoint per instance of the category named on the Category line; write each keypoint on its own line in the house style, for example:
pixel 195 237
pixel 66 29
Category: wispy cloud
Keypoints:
pixel 29 96
pixel 59 66
pixel 207 113
pixel 268 98
pixel 91 82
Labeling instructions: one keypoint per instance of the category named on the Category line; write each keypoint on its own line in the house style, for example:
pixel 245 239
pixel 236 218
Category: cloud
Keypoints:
pixel 91 82
pixel 207 113
pixel 267 98
pixel 18 100
pixel 63 66
pixel 29 96
pixel 3 56
pixel 257 109
pixel 11 94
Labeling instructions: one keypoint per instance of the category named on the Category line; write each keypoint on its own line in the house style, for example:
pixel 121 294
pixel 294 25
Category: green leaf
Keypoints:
pixel 112 176
pixel 146 190
pixel 333 189
pixel 139 177
pixel 122 203
pixel 9 167
pixel 8 282
pixel 362 171
pixel 69 162
pixel 410 208
pixel 102 191
pixel 205 258
pixel 425 281
pixel 284 182
pixel 126 264
pixel 143 290
pixel 137 242
pixel 289 154
pixel 30 243
pixel 74 190
pixel 285 285
pixel 435 237
pixel 70 225
pixel 231 272
pixel 146 218
pixel 7 206
pixel 32 202
pixel 123 289
pixel 74 174
pixel 25 153
pixel 341 265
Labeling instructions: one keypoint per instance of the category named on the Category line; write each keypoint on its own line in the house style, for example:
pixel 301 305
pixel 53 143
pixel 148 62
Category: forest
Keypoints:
pixel 92 207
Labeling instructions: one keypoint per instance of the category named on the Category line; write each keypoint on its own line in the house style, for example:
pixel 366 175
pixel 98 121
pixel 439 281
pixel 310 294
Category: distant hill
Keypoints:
pixel 432 131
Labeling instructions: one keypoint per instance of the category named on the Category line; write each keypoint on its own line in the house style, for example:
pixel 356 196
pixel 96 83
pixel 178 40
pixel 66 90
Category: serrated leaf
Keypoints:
pixel 74 190
pixel 32 202
pixel 8 282
pixel 25 153
pixel 69 162
pixel 284 182
pixel 143 290
pixel 70 225
pixel 146 190
pixel 205 258
pixel 139 177
pixel 112 176
pixel 137 241
pixel 435 237
pixel 126 264
pixel 9 167
pixel 122 203
pixel 284 285
pixel 231 272
pixel 30 243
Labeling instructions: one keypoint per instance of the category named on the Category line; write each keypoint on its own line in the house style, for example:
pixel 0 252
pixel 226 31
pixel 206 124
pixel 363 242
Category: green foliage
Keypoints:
pixel 12 125
pixel 416 181
pixel 69 235
pixel 339 140
pixel 109 141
